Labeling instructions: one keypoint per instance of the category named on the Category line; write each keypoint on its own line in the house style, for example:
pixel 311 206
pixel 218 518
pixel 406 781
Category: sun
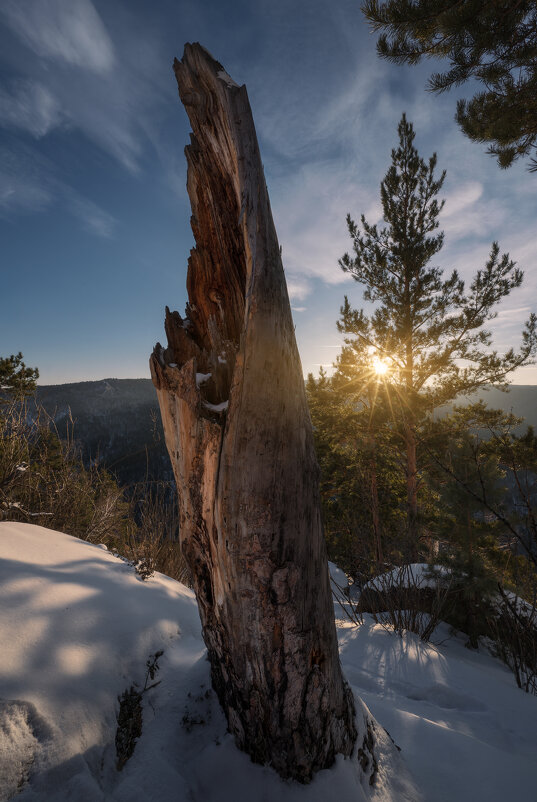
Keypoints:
pixel 380 367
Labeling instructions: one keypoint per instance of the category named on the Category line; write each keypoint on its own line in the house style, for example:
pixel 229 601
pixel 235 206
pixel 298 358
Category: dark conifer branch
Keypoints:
pixel 494 43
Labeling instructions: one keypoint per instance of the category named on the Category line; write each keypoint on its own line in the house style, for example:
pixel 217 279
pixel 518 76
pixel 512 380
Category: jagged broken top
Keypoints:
pixel 218 266
pixel 232 226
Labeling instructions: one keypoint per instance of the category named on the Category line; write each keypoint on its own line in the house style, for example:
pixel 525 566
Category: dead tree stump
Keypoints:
pixel 238 432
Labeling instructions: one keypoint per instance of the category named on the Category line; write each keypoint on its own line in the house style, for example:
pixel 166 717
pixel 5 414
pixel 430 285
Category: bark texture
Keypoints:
pixel 237 428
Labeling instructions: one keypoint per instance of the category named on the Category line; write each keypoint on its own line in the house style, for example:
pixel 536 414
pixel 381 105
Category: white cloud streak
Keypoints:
pixel 22 188
pixel 71 73
pixel 18 194
pixel 94 219
pixel 310 209
pixel 29 183
pixel 31 107
pixel 297 287
pixel 68 31
pixel 462 197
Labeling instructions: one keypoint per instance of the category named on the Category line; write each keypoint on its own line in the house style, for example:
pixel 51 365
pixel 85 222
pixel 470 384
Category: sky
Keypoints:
pixel 94 214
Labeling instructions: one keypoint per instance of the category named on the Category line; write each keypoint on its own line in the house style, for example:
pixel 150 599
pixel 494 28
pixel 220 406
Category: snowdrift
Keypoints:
pixel 78 626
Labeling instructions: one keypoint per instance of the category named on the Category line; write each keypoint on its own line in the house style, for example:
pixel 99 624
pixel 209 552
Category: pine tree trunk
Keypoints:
pixel 410 440
pixel 238 432
pixel 375 507
pixel 412 494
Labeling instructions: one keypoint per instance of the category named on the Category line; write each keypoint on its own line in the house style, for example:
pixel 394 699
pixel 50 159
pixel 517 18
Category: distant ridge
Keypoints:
pixel 520 399
pixel 118 421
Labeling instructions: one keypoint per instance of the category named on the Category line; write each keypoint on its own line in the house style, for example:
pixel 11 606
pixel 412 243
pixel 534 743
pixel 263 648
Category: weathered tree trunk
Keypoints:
pixel 236 423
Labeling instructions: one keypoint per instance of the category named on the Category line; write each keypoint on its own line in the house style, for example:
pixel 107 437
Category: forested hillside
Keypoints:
pixel 115 421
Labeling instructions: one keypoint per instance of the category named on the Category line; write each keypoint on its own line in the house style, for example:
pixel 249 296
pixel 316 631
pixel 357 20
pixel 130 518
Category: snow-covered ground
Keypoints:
pixel 77 627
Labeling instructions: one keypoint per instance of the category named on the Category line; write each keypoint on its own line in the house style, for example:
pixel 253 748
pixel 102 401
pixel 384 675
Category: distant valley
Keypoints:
pixel 117 421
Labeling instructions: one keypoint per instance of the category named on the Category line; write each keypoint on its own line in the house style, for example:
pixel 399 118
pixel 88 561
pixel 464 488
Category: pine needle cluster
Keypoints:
pixel 494 43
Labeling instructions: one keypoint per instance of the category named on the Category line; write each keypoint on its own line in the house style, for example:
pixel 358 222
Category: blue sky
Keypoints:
pixel 94 215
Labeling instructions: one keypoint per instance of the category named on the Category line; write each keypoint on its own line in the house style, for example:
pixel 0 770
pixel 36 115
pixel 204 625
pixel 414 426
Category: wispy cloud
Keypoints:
pixel 29 183
pixel 506 317
pixel 94 219
pixel 19 194
pixel 71 70
pixel 314 115
pixel 31 107
pixel 22 188
pixel 297 287
pixel 68 31
pixel 310 208
pixel 468 212
pixel 462 197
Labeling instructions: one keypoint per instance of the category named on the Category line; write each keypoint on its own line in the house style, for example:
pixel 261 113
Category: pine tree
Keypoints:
pixel 495 43
pixel 361 487
pixel 426 336
pixel 16 380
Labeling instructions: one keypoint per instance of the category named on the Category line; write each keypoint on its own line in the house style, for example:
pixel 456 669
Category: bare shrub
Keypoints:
pixel 404 600
pixel 130 713
pixel 154 545
pixel 43 477
pixel 514 632
pixel 351 610
pixel 14 459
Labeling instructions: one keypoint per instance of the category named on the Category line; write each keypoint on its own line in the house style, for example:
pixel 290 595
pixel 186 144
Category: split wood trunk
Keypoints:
pixel 238 432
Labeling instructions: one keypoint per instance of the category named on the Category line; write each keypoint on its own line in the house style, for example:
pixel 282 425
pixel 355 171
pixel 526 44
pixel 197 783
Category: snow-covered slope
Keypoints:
pixel 466 731
pixel 77 627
